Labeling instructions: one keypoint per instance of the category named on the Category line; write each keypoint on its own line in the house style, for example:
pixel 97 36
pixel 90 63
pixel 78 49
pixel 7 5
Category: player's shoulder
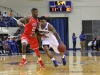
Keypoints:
pixel 27 17
pixel 50 27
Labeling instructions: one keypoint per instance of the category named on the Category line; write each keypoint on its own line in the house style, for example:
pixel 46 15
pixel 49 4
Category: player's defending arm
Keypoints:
pixel 23 21
pixel 38 34
pixel 37 31
pixel 51 28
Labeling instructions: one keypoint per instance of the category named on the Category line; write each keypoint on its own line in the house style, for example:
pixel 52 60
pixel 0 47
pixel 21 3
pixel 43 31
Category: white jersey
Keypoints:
pixel 50 38
pixel 45 30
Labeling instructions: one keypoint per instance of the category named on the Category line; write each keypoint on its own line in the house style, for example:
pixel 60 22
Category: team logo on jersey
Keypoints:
pixel 34 24
pixel 44 32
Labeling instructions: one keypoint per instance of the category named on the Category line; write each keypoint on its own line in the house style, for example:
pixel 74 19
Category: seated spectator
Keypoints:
pixel 17 46
pixel 1 46
pixel 14 45
pixel 1 22
pixel 5 14
pixel 4 37
pixel 5 23
pixel 6 47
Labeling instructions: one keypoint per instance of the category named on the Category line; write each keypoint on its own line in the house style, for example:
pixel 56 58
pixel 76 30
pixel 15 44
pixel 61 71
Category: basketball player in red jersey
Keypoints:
pixel 29 36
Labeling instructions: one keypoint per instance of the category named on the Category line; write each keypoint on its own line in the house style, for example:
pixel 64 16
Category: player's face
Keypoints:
pixel 43 22
pixel 35 13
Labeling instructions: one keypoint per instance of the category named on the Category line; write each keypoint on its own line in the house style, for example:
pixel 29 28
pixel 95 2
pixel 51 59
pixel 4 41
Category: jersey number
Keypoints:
pixel 33 30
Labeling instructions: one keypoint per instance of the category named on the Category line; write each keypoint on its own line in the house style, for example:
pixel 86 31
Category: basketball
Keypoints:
pixel 61 48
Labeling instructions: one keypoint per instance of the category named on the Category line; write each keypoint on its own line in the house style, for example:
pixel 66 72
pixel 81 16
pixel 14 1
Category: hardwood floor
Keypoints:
pixel 77 64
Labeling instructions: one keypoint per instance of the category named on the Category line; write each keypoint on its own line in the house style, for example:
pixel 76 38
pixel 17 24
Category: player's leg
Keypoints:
pixel 34 45
pixel 54 44
pixel 48 52
pixel 63 57
pixel 24 43
pixel 39 58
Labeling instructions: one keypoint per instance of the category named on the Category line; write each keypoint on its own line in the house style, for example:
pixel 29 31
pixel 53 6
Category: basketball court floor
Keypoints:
pixel 78 63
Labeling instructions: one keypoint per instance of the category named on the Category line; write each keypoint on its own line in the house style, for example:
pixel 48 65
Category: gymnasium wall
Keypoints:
pixel 10 31
pixel 82 10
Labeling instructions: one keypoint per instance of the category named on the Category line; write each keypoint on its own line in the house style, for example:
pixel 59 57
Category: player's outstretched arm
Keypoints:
pixel 51 28
pixel 23 21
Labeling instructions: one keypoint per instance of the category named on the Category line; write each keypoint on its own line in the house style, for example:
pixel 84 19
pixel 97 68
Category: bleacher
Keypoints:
pixel 8 22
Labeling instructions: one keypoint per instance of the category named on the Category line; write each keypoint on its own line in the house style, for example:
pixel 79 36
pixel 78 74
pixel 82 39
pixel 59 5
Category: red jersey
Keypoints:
pixel 31 26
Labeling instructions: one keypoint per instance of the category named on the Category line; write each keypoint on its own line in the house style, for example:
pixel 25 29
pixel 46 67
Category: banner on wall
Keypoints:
pixel 35 0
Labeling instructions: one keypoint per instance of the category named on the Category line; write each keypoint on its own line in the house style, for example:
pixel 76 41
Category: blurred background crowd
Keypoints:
pixel 7 20
pixel 10 45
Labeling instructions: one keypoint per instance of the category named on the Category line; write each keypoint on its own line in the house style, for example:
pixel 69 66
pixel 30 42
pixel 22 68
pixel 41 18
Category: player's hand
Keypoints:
pixel 61 42
pixel 21 24
pixel 34 35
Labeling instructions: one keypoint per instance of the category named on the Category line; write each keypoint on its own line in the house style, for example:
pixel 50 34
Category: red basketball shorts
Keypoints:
pixel 29 40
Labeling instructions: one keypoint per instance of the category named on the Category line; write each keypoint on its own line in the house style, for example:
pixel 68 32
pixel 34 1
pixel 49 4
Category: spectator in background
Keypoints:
pixel 0 15
pixel 17 46
pixel 14 45
pixel 1 46
pixel 8 46
pixel 82 38
pixel 4 37
pixel 5 14
pixel 10 14
pixel 74 41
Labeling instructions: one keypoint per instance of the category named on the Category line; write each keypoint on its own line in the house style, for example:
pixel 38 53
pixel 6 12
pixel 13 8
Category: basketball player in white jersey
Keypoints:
pixel 49 39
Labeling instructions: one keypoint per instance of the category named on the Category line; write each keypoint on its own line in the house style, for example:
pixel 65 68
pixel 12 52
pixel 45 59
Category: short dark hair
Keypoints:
pixel 95 38
pixel 33 9
pixel 42 18
pixel 73 33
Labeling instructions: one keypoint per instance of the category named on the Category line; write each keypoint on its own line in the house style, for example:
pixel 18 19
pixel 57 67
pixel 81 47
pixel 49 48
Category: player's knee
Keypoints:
pixel 24 44
pixel 46 48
